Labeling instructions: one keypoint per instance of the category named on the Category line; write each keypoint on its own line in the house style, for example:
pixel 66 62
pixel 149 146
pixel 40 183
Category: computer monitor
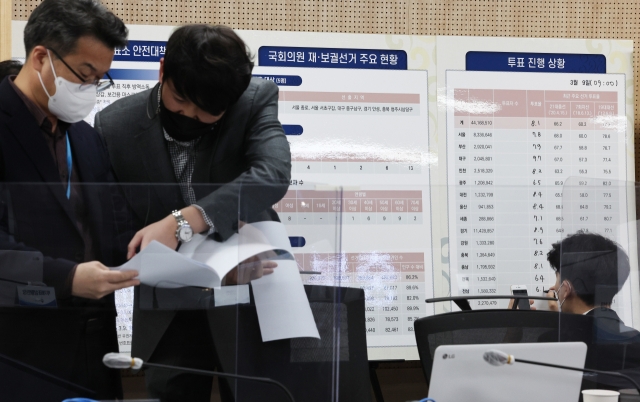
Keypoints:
pixel 460 373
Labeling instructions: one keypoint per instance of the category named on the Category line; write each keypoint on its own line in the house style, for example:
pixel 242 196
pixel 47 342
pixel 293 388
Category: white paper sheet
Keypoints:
pixel 253 239
pixel 282 304
pixel 162 267
pixel 203 262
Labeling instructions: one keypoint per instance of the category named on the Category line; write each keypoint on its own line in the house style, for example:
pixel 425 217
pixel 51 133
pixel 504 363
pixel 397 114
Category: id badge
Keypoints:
pixel 36 296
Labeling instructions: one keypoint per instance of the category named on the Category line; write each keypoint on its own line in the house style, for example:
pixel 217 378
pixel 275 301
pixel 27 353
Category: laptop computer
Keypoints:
pixel 460 373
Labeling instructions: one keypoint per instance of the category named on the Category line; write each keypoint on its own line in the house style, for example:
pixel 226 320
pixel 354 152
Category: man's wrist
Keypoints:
pixel 209 228
pixel 195 219
pixel 172 223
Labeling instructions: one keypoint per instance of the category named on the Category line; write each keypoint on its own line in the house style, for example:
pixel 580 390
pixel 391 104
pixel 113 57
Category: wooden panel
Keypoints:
pixel 619 19
pixel 5 29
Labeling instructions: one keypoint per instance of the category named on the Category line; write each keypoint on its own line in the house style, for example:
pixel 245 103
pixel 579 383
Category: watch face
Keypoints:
pixel 186 233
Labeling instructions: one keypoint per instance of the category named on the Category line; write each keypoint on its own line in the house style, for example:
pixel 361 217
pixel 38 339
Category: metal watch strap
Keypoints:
pixel 177 214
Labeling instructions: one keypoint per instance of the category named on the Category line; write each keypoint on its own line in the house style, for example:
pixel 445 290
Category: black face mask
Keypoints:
pixel 182 128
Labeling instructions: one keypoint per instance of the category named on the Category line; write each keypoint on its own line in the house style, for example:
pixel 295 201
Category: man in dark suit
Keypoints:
pixel 208 141
pixel 590 271
pixel 47 153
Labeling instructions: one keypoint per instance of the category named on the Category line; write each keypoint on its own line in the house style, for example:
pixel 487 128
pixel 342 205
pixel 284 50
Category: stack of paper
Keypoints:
pixel 281 302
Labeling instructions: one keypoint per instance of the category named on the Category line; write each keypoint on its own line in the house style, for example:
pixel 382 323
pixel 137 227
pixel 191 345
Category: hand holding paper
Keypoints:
pixel 281 302
pixel 248 270
pixel 93 280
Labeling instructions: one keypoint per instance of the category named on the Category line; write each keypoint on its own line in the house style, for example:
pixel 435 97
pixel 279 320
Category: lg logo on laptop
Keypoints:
pixel 448 356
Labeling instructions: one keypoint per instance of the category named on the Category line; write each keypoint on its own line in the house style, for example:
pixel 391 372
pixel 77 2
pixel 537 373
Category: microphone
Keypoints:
pixel 500 358
pixel 497 358
pixel 120 361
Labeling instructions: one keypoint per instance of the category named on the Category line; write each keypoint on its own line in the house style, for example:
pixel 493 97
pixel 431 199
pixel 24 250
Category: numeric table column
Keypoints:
pixel 482 141
pixel 464 189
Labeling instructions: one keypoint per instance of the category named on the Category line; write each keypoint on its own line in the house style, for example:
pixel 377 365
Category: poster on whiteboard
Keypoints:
pixel 514 165
pixel 366 131
pixel 538 132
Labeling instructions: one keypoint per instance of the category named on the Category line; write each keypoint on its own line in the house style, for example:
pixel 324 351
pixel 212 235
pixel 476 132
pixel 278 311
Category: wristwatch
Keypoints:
pixel 184 232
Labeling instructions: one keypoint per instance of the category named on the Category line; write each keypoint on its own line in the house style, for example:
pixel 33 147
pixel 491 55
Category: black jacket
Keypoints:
pixel 36 216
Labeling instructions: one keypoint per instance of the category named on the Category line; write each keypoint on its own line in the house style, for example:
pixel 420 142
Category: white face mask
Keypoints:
pixel 71 102
pixel 562 302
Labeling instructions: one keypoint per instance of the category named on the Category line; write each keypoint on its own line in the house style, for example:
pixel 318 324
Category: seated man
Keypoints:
pixel 590 271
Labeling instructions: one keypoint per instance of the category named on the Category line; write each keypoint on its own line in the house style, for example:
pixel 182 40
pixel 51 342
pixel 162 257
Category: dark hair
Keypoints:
pixel 58 24
pixel 597 267
pixel 208 65
pixel 9 67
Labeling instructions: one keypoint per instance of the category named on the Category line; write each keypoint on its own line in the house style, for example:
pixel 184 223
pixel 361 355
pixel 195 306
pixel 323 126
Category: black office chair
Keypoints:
pixel 496 326
pixel 314 370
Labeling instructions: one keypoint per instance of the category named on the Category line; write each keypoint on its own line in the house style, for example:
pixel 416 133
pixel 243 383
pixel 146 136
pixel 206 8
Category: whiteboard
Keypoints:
pixel 367 132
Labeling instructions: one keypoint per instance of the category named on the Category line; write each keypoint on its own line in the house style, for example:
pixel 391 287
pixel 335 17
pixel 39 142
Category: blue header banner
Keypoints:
pixel 536 62
pixel 141 50
pixel 279 56
pixel 282 80
pixel 134 75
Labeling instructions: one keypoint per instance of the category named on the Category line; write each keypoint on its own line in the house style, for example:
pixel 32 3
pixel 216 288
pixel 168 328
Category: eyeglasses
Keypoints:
pixel 100 85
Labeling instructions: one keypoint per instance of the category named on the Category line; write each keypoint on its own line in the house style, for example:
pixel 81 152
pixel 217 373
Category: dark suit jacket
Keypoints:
pixel 611 346
pixel 35 215
pixel 614 347
pixel 240 172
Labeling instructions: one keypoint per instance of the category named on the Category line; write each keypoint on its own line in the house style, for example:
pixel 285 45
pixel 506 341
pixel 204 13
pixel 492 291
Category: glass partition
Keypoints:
pixel 309 289
pixel 57 307
pixel 300 324
pixel 241 300
pixel 597 278
pixel 575 240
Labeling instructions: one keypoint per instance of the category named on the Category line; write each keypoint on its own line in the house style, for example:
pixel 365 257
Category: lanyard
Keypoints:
pixel 69 167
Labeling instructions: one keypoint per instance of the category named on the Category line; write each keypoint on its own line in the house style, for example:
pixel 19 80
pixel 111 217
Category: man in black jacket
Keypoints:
pixel 208 144
pixel 47 154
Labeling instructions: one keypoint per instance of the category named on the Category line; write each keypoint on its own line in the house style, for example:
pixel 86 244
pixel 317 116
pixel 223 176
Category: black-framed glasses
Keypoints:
pixel 100 85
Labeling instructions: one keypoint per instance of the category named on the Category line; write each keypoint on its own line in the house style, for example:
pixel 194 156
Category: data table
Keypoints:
pixel 514 143
pixel 394 285
pixel 365 134
pixel 373 207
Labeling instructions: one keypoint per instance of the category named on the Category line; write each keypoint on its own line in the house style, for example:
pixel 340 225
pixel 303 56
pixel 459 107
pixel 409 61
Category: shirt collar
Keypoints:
pixel 38 114
pixel 181 143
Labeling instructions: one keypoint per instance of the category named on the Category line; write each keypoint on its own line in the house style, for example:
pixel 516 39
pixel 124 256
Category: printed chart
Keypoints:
pixel 515 141
pixel 366 132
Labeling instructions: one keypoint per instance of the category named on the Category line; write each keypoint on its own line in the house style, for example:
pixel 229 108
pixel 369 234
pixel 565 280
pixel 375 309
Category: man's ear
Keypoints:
pixel 161 72
pixel 570 291
pixel 38 57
